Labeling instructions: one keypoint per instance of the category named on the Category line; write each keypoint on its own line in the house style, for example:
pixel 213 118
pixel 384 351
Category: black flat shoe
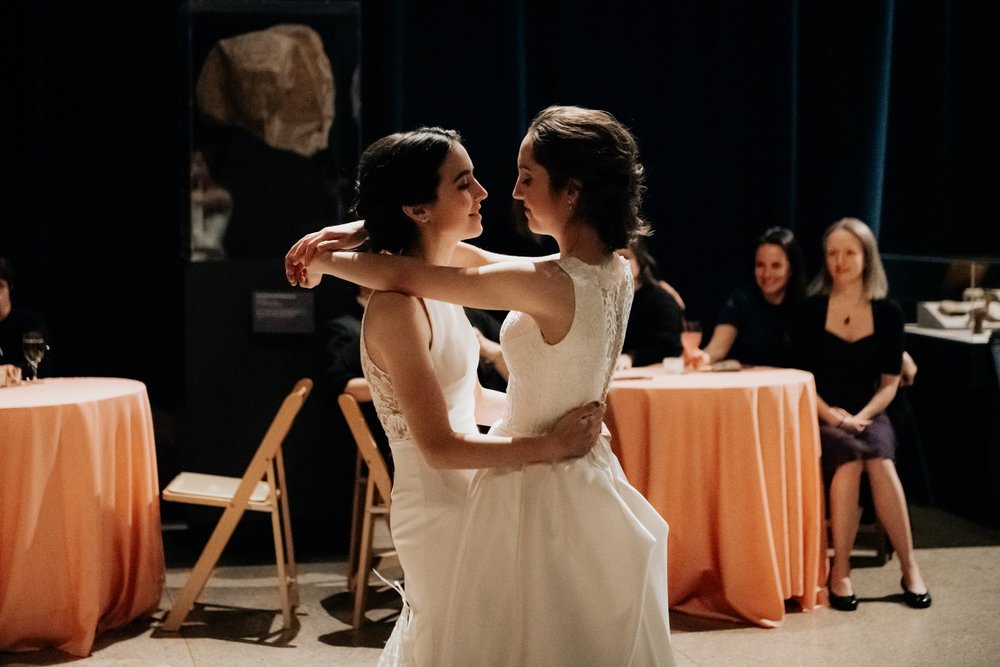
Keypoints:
pixel 844 602
pixel 915 600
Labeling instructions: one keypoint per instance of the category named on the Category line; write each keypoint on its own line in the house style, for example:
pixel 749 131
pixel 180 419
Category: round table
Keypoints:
pixel 731 462
pixel 82 550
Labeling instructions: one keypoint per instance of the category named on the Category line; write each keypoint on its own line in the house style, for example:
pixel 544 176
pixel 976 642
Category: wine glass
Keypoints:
pixel 34 347
pixel 690 338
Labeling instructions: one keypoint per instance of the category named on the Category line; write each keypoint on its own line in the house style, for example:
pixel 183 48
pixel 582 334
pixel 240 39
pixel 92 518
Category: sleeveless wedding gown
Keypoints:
pixel 427 503
pixel 546 564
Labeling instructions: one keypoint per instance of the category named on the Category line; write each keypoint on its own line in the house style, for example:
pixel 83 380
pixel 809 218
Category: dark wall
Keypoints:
pixel 92 220
pixel 747 115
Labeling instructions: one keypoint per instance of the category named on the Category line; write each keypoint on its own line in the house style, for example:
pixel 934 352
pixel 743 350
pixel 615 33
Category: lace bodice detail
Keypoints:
pixel 454 355
pixel 546 380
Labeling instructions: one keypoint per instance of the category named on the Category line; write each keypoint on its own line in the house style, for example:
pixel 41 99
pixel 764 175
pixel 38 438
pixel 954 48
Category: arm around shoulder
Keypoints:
pixel 467 254
pixel 540 289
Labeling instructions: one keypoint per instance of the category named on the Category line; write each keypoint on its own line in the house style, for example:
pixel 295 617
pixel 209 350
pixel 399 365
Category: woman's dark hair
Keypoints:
pixel 399 170
pixel 593 148
pixel 644 258
pixel 6 272
pixel 785 239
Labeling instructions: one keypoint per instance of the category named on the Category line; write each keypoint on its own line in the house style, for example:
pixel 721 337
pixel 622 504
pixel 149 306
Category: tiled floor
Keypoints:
pixel 238 626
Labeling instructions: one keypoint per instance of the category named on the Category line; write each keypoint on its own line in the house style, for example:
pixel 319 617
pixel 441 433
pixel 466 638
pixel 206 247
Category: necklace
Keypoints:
pixel 848 312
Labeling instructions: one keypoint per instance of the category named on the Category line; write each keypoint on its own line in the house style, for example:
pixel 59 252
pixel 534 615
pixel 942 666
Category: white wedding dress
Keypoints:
pixel 547 564
pixel 427 503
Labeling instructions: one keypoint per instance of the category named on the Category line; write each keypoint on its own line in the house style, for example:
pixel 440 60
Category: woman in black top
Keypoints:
pixel 653 331
pixel 753 324
pixel 851 338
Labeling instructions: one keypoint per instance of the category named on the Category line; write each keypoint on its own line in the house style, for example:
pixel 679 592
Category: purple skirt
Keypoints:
pixel 878 441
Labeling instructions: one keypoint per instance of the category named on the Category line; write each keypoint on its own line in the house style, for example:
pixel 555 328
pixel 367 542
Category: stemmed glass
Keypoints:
pixel 34 347
pixel 690 338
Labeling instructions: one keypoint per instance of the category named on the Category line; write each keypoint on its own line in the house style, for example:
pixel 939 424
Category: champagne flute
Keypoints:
pixel 33 346
pixel 690 338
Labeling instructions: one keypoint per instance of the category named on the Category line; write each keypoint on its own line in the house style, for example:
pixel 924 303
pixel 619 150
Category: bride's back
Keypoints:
pixel 548 380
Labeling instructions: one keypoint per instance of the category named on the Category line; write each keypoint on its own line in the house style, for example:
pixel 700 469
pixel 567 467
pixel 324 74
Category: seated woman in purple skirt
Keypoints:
pixel 851 338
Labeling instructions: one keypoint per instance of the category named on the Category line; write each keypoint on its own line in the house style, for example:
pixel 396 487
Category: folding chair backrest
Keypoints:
pixel 270 446
pixel 377 485
pixel 377 469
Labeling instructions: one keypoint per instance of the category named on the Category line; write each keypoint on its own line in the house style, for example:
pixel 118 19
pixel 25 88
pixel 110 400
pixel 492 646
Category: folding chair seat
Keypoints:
pixel 261 489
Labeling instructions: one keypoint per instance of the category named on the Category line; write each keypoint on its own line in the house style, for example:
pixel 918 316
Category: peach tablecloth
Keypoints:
pixel 731 461
pixel 80 544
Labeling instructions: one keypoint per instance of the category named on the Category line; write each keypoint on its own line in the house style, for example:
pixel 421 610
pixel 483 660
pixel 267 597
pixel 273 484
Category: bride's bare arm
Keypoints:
pixel 540 289
pixel 467 254
pixel 350 235
pixel 397 336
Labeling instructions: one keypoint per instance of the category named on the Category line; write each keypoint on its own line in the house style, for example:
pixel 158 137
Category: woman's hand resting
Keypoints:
pixel 577 431
pixel 848 422
pixel 697 358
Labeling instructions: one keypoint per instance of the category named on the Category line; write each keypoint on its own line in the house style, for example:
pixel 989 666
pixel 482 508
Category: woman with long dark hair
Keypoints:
pixel 752 326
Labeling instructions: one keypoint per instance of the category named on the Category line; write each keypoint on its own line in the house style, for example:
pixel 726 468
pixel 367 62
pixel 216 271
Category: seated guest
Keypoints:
pixel 341 368
pixel 14 322
pixel 850 337
pixel 653 331
pixel 753 324
pixel 342 351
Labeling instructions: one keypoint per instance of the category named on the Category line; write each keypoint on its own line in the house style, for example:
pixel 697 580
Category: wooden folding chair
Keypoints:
pixel 261 489
pixel 358 388
pixel 377 499
pixel 357 516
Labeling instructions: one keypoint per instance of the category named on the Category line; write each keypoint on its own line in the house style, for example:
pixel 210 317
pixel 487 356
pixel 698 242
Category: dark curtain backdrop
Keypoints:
pixel 748 114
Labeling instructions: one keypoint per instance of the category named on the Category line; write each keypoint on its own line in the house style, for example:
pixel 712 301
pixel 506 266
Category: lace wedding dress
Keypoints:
pixel 565 563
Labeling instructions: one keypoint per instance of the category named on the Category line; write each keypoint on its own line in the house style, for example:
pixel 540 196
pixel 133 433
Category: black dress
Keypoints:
pixel 762 337
pixel 653 331
pixel 848 374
